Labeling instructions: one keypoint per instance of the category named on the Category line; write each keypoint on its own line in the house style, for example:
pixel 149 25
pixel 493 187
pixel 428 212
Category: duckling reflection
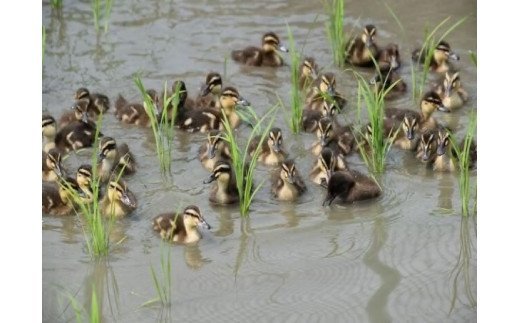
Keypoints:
pixel 193 256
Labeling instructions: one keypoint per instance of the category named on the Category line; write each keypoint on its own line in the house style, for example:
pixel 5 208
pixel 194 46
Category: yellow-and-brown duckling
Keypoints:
pixel 84 181
pixel 445 160
pixel 135 113
pixel 118 201
pixel 308 73
pixel 77 134
pixel 49 130
pixel 427 149
pixel 362 50
pixel 340 138
pixel 78 112
pixel 97 103
pixel 271 151
pixel 389 81
pixel 324 89
pixel 310 118
pixel 265 56
pixel 327 163
pixel 113 158
pixel 52 169
pixel 441 55
pixel 408 136
pixel 225 190
pixel 430 102
pixel 216 148
pixel 210 92
pixel 350 186
pixel 58 198
pixel 287 184
pixel 180 227
pixel 389 58
pixel 451 92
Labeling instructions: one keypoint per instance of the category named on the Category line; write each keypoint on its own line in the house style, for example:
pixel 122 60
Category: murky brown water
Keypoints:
pixel 381 261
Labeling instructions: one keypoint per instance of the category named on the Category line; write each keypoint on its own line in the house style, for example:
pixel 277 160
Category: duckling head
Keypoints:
pixel 48 126
pixel 80 108
pixel 275 140
pixel 53 161
pixel 428 146
pixel 271 43
pixel 430 102
pixel 410 125
pixel 216 141
pixel 328 84
pixel 193 218
pixel 288 171
pixel 213 84
pixel 443 52
pixel 451 82
pixel 81 94
pixel 107 148
pixel 443 140
pixel 327 162
pixel 368 35
pixel 84 175
pixel 117 190
pixel 221 173
pixel 339 184
pixel 308 68
pixel 230 98
pixel 324 131
pixel 329 109
pixel 391 58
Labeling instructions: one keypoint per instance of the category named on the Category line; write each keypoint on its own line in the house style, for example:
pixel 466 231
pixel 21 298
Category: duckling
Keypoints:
pixel 49 132
pixel 430 102
pixel 58 198
pixel 229 100
pixel 287 185
pixel 214 150
pixel 180 228
pixel 271 151
pixel 210 92
pixel 310 118
pixel 118 201
pixel 135 113
pixel 407 137
pixel 389 58
pixel 307 72
pixel 78 112
pixel 444 160
pixel 84 181
pixel 113 158
pixel 324 89
pixel 427 149
pixel 265 56
pixel 351 186
pixel 77 134
pixel 97 103
pixel 451 91
pixel 327 163
pixel 362 50
pixel 441 55
pixel 52 169
pixel 225 191
pixel 340 139
pixel 389 81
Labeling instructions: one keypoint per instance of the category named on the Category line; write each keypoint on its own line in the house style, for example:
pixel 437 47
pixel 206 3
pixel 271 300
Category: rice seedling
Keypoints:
pixel 473 57
pixel 98 12
pixel 163 286
pixel 335 10
pixel 296 95
pixel 95 314
pixel 430 42
pixel 162 123
pixel 464 162
pixel 242 167
pixel 80 313
pixel 56 4
pixel 377 145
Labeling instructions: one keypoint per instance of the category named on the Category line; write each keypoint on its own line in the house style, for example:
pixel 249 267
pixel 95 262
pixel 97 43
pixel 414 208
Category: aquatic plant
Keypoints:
pixel 242 167
pixel 163 286
pixel 56 4
pixel 335 10
pixel 473 57
pixel 96 11
pixel 296 95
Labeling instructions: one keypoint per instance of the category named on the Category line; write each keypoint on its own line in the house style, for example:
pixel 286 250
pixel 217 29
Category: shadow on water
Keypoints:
pixel 390 277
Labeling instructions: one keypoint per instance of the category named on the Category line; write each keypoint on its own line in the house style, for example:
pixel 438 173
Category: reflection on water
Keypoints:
pixel 102 282
pixel 193 257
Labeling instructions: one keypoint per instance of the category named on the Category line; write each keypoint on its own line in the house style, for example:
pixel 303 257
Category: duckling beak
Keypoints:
pixel 283 49
pixel 205 225
pixel 243 102
pixel 441 150
pixel 454 56
pixel 448 90
pixel 323 183
pixel 101 156
pixel 373 80
pixel 205 90
pixel 329 199
pixel 393 62
pixel 211 152
pixel 276 148
pixel 84 117
pixel 58 171
pixel 442 108
pixel 426 155
pixel 290 179
pixel 210 179
pixel 329 175
pixel 314 75
pixel 323 143
pixel 409 134
pixel 127 201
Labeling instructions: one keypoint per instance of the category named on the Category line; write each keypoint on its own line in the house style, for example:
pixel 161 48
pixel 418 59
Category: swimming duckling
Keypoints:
pixel 265 56
pixel 210 92
pixel 389 81
pixel 78 112
pixel 389 58
pixel 229 100
pixel 427 149
pixel 118 201
pixel 441 55
pixel 225 190
pixel 271 151
pixel 310 118
pixel 362 50
pixel 287 185
pixel 327 163
pixel 180 227
pixel 430 102
pixel 58 198
pixel 324 89
pixel 351 186
pixel 97 103
pixel 451 91
pixel 307 72
pixel 49 132
pixel 340 138
pixel 408 137
pixel 135 113
pixel 84 181
pixel 77 134
pixel 214 150
pixel 52 169
pixel 113 158
pixel 445 160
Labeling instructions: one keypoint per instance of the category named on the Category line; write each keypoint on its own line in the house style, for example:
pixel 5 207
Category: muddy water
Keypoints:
pixel 386 260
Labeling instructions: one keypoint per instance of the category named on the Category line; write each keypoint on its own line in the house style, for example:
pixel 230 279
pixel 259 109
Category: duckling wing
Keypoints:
pixel 248 56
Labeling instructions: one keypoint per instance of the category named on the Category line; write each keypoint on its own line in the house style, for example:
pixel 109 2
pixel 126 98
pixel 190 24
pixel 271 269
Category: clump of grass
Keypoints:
pixel 296 95
pixel 163 286
pixel 377 144
pixel 98 12
pixel 430 42
pixel 243 168
pixel 162 122
pixel 464 162
pixel 335 10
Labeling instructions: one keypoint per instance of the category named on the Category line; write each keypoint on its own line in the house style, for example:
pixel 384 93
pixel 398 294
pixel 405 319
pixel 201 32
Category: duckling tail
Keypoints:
pixel 120 102
pixel 237 55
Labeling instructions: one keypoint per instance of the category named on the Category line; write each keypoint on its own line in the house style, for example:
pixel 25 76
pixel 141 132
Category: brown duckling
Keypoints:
pixel 97 103
pixel 214 150
pixel 77 134
pixel 265 56
pixel 351 186
pixel 451 92
pixel 362 50
pixel 84 181
pixel 271 151
pixel 310 118
pixel 327 163
pixel 389 81
pixel 287 185
pixel 427 149
pixel 445 160
pixel 114 158
pixel 180 227
pixel 389 58
pixel 52 169
pixel 58 198
pixel 118 201
pixel 225 190
pixel 340 138
pixel 307 73
pixel 135 113
pixel 408 136
pixel 49 130
pixel 324 89
pixel 441 55
pixel 78 112
pixel 210 92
